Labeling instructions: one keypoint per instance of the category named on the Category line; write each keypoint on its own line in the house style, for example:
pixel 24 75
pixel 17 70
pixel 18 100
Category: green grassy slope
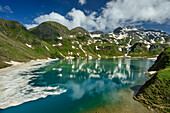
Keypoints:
pixel 14 39
pixel 17 31
pixel 49 31
pixel 51 39
pixel 79 30
pixel 141 50
pixel 17 51
pixel 162 62
pixel 156 91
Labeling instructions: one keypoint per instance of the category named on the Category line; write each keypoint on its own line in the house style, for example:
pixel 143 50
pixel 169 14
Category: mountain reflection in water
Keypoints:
pixel 74 83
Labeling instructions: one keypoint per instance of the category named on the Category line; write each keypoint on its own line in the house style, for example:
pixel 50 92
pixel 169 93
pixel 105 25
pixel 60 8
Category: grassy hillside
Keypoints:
pixel 162 62
pixel 141 50
pixel 77 46
pixel 17 31
pixel 50 31
pixel 17 51
pixel 18 44
pixel 14 50
pixel 51 39
pixel 155 93
pixel 79 30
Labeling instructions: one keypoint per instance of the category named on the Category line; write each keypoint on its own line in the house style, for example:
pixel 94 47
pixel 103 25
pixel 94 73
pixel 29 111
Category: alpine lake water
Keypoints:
pixel 81 86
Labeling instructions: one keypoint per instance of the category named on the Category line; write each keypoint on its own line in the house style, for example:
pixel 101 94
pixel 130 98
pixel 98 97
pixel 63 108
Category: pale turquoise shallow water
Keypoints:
pixel 77 85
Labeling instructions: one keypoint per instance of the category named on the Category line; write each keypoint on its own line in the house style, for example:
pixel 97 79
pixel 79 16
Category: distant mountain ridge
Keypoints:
pixel 151 36
pixel 54 40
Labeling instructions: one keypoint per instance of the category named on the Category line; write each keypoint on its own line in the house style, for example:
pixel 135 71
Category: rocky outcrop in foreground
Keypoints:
pixel 162 62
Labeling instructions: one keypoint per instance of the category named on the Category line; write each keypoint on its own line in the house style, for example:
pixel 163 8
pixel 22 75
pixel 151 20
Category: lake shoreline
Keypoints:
pixel 15 63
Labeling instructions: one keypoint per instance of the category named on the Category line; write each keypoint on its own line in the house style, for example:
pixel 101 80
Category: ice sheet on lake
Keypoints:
pixel 15 88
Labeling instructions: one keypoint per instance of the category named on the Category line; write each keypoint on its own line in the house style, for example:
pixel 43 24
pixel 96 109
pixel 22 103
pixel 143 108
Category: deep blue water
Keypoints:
pixel 87 84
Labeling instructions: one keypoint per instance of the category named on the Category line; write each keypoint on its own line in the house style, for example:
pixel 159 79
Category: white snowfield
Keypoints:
pixel 95 35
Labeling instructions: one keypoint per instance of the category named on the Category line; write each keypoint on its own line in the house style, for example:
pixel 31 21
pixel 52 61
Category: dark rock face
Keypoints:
pixel 117 30
pixel 97 32
pixel 162 61
pixel 136 46
pixel 156 47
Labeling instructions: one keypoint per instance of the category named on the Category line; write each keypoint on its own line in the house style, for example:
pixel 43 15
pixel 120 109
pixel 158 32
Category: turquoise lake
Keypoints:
pixel 74 86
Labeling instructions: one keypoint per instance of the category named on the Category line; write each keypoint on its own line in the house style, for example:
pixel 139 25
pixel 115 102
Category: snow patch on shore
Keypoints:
pixel 13 63
pixel 152 72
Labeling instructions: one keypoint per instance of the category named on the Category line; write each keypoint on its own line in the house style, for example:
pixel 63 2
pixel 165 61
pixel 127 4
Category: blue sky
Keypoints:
pixel 104 15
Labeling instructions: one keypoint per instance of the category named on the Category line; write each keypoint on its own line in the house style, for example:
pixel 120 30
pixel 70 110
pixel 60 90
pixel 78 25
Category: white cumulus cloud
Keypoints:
pixel 5 9
pixel 28 26
pixel 82 2
pixel 125 12
pixel 114 14
pixel 73 19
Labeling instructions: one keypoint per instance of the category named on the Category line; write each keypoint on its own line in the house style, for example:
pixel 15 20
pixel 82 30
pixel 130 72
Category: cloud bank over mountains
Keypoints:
pixel 115 13
pixel 82 2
